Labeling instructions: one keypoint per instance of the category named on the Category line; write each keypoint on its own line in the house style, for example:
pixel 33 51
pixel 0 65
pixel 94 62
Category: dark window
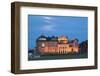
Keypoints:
pixel 70 45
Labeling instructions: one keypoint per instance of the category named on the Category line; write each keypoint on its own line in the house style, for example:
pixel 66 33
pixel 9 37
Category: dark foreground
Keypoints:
pixel 53 57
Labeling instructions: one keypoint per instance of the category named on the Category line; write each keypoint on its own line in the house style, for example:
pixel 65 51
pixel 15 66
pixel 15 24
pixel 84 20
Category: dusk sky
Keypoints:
pixel 70 26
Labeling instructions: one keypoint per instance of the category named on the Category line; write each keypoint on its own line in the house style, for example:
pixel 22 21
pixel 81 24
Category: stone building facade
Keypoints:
pixel 56 45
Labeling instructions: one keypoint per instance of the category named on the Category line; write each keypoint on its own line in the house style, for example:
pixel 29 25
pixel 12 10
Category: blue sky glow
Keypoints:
pixel 70 26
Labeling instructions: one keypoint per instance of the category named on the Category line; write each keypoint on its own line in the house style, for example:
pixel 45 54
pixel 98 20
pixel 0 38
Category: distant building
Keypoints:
pixel 56 45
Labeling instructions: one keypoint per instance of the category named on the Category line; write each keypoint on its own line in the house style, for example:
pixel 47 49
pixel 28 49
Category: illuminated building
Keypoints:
pixel 56 45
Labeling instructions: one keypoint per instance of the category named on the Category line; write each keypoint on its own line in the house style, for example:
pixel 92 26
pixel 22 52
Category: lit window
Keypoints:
pixel 43 45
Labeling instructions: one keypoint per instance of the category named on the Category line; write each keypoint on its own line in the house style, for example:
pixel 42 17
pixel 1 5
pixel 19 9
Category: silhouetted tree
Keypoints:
pixel 84 46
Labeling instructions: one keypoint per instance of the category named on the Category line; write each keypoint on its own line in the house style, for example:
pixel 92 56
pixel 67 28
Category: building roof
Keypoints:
pixel 44 38
pixel 54 38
